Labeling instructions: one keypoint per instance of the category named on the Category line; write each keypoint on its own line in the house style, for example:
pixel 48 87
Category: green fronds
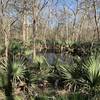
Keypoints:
pixel 92 71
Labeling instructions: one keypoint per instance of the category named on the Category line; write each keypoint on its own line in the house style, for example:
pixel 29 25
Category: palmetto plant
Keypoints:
pixel 42 67
pixel 91 70
pixel 11 73
pixel 71 74
pixel 17 68
pixel 16 46
pixel 84 73
pixel 3 73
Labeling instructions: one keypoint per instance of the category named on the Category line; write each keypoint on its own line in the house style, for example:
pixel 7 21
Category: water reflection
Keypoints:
pixel 64 57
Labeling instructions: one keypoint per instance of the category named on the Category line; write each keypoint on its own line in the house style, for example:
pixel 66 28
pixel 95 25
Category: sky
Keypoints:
pixel 70 3
pixel 61 3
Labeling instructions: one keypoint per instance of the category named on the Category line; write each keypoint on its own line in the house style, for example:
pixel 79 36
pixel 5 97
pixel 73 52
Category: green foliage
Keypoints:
pixel 39 59
pixel 40 42
pixel 28 52
pixel 70 74
pixel 18 70
pixel 62 98
pixel 16 46
pixel 92 72
pixel 82 75
pixel 18 98
pixel 41 67
pixel 3 73
pixel 41 98
pixel 3 80
pixel 77 96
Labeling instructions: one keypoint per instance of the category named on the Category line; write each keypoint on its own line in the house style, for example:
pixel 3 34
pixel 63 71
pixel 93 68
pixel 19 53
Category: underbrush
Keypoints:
pixel 23 77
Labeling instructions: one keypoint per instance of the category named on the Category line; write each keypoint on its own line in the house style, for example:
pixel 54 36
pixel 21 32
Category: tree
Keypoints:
pixel 36 9
pixel 95 17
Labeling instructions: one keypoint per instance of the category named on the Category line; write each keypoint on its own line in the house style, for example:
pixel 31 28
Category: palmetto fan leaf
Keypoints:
pixel 63 71
pixel 39 71
pixel 92 71
pixel 18 70
pixel 69 72
pixel 16 67
pixel 39 59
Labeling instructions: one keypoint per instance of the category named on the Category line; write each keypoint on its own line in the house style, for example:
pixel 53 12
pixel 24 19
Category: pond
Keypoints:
pixel 64 57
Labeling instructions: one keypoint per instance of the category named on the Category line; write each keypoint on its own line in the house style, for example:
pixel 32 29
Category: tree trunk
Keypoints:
pixel 24 21
pixel 34 47
pixel 34 30
pixel 24 28
pixel 95 18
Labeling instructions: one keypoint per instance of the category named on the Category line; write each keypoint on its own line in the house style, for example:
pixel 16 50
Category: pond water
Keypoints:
pixel 64 57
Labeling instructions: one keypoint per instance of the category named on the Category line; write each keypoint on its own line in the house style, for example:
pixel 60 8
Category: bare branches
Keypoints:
pixel 44 5
pixel 6 4
pixel 44 16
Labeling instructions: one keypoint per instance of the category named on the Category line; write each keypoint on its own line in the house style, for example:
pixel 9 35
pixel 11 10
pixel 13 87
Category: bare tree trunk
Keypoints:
pixel 95 18
pixel 34 30
pixel 6 45
pixel 27 31
pixel 24 28
pixel 24 21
